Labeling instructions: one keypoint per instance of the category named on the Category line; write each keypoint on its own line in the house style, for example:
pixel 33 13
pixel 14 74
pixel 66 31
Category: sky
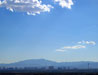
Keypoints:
pixel 57 30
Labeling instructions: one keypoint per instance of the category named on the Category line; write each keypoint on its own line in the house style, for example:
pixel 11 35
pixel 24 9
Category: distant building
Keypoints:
pixel 51 67
pixel 59 68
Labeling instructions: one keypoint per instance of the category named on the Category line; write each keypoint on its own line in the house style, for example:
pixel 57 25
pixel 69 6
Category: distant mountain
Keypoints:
pixel 31 63
pixel 46 63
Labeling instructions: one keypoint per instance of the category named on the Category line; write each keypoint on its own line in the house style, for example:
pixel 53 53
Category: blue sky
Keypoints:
pixel 57 33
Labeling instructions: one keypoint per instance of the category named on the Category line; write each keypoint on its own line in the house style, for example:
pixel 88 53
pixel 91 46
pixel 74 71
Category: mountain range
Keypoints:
pixel 46 63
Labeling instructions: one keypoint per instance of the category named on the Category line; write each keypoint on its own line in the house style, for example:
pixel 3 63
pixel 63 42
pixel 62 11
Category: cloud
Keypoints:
pixel 71 48
pixel 31 7
pixel 65 3
pixel 87 42
pixel 65 48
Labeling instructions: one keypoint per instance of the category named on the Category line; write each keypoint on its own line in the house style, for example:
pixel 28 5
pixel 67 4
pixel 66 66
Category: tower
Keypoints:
pixel 88 66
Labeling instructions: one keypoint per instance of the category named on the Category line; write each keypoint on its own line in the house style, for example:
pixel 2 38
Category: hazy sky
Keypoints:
pixel 58 30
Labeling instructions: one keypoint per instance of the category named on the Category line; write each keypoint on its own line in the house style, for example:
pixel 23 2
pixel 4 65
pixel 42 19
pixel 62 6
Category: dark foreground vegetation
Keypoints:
pixel 48 73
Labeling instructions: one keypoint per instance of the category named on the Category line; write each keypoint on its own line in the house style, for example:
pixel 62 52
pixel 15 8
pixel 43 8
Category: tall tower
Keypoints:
pixel 88 66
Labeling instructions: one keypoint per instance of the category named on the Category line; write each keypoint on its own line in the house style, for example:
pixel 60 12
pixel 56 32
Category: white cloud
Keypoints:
pixel 79 46
pixel 71 48
pixel 31 7
pixel 65 3
pixel 87 42
pixel 0 2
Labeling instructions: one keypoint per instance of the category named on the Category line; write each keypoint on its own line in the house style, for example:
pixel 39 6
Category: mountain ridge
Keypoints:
pixel 46 63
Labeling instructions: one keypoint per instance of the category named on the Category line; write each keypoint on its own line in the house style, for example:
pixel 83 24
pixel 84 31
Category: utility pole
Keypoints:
pixel 88 66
